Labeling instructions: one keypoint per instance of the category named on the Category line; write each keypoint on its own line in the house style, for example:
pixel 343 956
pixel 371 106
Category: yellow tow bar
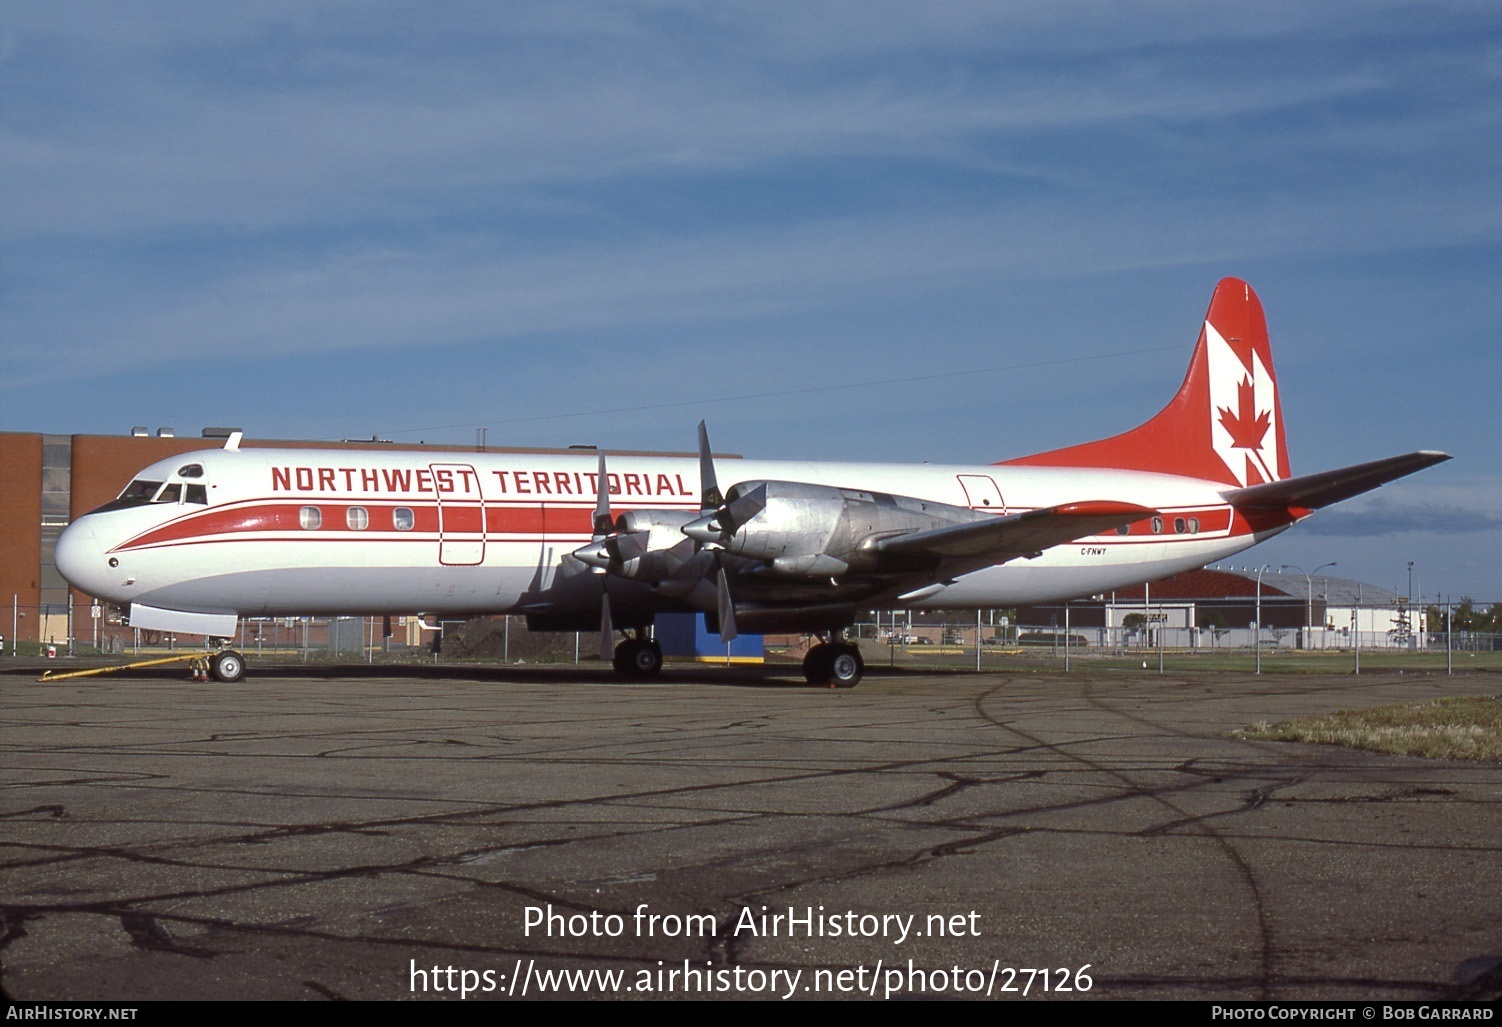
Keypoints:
pixel 198 661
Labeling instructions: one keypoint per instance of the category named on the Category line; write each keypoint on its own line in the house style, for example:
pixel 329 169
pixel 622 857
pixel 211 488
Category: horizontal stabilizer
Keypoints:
pixel 1313 491
pixel 998 539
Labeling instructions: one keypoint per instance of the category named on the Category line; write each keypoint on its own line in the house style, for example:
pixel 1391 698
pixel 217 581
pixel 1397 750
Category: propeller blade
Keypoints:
pixel 709 488
pixel 726 609
pixel 607 630
pixel 603 525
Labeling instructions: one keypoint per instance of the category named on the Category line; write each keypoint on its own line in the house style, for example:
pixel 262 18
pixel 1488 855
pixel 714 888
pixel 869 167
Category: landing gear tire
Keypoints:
pixel 847 667
pixel 637 658
pixel 834 663
pixel 227 666
pixel 818 664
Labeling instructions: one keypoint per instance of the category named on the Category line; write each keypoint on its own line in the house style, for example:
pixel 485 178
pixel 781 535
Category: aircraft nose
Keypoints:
pixel 80 558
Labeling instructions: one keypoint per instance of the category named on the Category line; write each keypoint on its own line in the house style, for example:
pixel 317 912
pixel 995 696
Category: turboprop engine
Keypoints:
pixel 646 545
pixel 805 530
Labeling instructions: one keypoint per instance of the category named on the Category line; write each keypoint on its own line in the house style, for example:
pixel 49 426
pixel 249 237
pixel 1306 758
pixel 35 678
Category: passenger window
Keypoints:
pixel 1157 525
pixel 1194 525
pixel 1125 529
pixel 357 517
pixel 1178 525
pixel 310 517
pixel 402 519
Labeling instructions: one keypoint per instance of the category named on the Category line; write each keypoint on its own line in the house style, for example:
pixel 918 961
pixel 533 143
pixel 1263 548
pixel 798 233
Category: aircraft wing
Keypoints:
pixel 999 539
pixel 1313 491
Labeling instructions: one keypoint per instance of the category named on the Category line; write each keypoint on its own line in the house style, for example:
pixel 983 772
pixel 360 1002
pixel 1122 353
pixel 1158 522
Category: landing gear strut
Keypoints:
pixel 637 657
pixel 836 662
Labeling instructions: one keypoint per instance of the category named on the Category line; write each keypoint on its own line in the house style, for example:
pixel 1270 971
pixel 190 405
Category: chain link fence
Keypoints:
pixel 78 629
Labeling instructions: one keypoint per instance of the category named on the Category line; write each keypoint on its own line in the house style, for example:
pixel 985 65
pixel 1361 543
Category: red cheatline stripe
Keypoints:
pixel 457 519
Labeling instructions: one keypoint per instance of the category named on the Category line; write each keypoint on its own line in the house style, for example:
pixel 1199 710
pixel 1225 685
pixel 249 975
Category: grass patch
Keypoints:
pixel 1466 728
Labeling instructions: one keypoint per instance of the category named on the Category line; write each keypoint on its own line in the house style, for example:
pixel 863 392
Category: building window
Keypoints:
pixel 357 517
pixel 402 519
pixel 310 517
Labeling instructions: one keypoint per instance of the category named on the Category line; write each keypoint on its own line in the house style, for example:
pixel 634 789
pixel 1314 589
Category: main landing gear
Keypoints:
pixel 835 662
pixel 637 657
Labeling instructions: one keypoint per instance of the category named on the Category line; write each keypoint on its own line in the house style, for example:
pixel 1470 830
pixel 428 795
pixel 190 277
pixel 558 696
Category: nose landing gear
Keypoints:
pixel 227 666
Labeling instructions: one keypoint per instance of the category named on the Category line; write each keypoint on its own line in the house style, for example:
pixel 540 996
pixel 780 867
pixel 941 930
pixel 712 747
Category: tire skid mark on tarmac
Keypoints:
pixel 1307 761
pixel 1160 795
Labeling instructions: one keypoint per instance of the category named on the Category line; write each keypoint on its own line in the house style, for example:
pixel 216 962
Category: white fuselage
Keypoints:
pixel 263 532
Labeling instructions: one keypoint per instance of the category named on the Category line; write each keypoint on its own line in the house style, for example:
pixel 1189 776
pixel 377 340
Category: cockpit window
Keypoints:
pixel 144 491
pixel 138 492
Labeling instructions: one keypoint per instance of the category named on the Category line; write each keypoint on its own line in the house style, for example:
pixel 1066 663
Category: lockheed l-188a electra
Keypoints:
pixel 577 541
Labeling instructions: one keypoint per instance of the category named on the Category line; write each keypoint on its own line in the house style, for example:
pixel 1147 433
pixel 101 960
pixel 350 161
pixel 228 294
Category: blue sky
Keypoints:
pixel 910 231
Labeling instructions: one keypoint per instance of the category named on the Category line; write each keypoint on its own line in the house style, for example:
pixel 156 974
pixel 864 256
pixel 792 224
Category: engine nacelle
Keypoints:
pixel 797 527
pixel 802 530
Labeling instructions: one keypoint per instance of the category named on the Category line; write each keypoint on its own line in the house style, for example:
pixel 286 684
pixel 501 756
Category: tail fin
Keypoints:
pixel 1226 422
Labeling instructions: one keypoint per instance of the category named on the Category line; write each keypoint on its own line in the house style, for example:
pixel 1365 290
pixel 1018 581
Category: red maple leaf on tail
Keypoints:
pixel 1247 426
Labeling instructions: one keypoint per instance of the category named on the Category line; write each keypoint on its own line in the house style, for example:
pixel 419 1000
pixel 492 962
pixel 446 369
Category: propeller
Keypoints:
pixel 701 577
pixel 611 544
pixel 715 528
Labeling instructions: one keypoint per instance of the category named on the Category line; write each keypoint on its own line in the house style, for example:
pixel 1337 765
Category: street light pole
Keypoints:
pixel 1327 599
pixel 1412 639
pixel 1308 598
pixel 1257 638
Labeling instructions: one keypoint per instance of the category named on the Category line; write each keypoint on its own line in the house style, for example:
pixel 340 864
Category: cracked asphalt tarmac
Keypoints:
pixel 359 832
